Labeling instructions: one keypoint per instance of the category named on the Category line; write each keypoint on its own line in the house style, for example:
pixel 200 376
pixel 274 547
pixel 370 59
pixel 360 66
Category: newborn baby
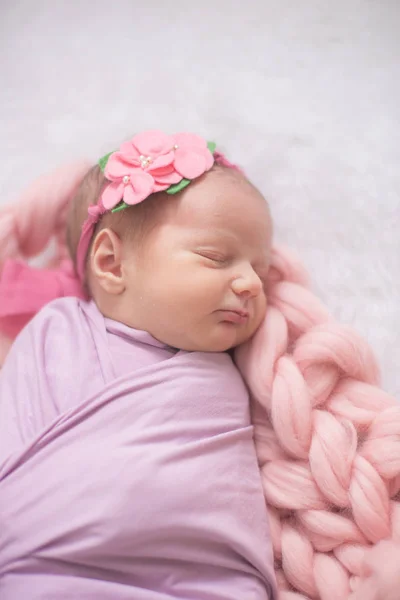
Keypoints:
pixel 127 464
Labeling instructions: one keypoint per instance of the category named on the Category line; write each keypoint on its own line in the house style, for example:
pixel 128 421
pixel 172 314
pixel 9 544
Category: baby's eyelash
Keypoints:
pixel 213 256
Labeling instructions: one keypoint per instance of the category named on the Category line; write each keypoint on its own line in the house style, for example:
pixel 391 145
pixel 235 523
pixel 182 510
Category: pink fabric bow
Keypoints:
pixel 151 162
pixel 24 290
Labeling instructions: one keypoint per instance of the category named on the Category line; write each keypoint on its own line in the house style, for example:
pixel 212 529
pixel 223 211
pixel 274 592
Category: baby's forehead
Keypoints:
pixel 228 205
pixel 225 193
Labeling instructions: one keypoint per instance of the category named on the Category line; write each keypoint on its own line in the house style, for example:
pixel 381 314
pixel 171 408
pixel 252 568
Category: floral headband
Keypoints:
pixel 150 162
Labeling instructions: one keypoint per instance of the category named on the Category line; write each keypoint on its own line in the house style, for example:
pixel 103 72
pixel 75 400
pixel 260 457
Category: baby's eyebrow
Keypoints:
pixel 214 235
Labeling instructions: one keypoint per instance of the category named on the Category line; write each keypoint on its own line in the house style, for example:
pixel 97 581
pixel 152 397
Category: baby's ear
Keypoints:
pixel 106 259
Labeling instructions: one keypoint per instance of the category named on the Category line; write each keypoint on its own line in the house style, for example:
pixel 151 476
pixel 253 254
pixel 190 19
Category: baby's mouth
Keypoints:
pixel 238 317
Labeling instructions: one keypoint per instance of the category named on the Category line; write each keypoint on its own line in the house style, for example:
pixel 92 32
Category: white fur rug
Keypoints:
pixel 305 95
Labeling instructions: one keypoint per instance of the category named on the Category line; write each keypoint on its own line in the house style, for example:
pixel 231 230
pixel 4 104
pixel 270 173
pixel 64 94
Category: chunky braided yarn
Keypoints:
pixel 328 444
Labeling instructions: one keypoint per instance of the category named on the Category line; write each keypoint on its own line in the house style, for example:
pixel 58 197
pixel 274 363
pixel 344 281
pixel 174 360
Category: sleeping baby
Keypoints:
pixel 127 462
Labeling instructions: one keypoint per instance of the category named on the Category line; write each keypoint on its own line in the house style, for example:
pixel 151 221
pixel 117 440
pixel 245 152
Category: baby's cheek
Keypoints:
pixel 259 315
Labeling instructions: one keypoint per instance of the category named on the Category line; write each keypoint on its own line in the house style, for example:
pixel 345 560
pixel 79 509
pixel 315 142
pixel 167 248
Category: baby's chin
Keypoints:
pixel 225 338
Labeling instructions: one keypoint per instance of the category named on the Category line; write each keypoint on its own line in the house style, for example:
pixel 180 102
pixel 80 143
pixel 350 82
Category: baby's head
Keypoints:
pixel 190 267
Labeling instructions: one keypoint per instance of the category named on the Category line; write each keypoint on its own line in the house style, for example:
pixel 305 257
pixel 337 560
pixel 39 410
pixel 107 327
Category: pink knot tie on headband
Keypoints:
pixel 24 290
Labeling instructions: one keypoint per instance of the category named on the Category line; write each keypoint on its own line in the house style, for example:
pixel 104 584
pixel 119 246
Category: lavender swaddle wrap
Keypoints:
pixel 127 468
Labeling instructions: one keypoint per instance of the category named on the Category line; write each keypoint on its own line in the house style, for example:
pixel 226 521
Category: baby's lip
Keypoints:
pixel 234 315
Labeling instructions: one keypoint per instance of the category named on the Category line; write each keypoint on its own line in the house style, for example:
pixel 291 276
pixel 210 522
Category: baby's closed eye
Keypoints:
pixel 214 256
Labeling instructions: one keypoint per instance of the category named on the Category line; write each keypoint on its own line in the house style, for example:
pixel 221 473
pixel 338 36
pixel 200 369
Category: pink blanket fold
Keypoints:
pixel 136 478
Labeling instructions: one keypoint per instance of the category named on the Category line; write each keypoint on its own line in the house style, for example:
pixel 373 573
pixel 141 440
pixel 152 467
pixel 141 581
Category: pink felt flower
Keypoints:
pixel 132 188
pixel 192 156
pixel 151 162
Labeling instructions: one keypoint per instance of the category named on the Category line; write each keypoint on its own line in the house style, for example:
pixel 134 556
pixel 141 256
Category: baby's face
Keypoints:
pixel 198 281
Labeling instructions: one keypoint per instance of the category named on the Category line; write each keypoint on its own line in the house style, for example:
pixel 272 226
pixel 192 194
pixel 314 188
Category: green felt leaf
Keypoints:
pixel 174 189
pixel 211 146
pixel 120 206
pixel 103 161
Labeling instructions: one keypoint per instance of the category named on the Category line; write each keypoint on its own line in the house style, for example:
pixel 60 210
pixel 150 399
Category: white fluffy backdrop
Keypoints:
pixel 304 95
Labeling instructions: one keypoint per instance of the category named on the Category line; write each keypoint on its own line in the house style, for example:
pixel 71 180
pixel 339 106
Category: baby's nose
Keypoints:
pixel 247 284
